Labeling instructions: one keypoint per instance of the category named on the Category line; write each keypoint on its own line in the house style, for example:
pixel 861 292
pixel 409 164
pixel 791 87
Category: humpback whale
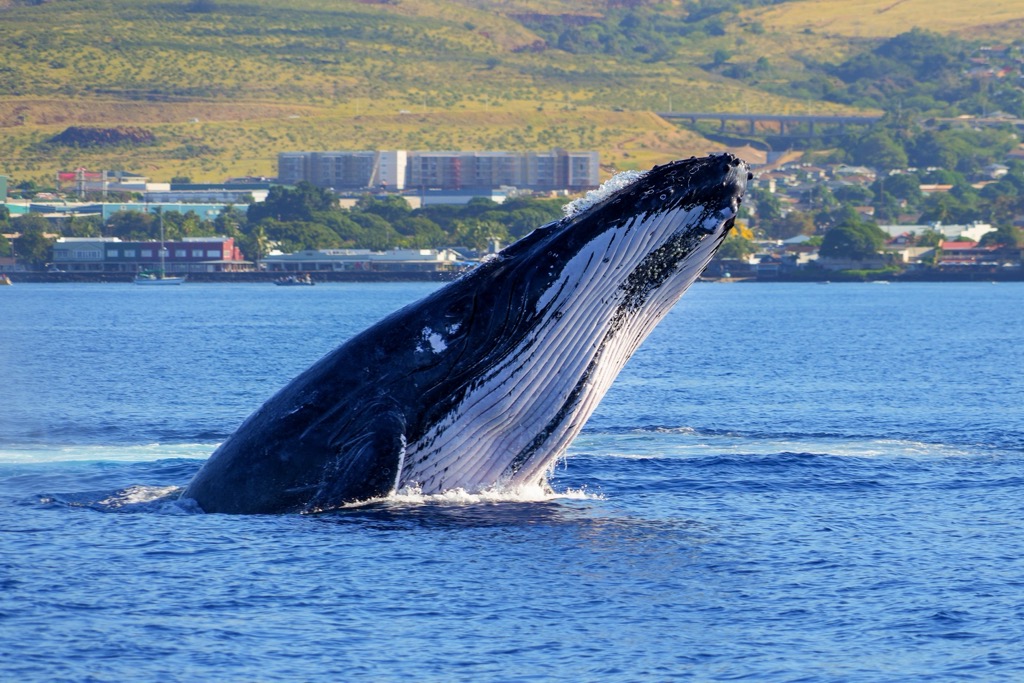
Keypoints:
pixel 485 382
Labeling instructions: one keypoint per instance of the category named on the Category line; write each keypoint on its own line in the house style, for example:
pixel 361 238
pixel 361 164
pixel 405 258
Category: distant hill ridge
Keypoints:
pixel 224 85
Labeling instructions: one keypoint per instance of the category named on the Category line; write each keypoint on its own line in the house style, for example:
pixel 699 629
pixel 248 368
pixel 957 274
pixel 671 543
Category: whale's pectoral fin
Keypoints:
pixel 366 465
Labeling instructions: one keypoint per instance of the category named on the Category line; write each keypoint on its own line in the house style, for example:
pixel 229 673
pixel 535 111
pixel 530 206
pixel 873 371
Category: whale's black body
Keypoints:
pixel 487 380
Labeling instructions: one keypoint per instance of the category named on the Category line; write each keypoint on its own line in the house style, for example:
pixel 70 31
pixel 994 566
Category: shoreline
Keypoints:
pixel 253 278
pixel 29 277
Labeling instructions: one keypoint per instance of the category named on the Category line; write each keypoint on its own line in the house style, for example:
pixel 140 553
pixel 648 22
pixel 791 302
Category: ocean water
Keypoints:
pixel 788 482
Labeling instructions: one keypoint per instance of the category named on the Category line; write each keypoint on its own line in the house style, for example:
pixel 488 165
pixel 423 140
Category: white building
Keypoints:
pixel 450 170
pixel 340 260
pixel 972 231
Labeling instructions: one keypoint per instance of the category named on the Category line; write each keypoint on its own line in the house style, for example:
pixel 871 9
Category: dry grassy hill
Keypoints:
pixel 224 85
pixel 885 18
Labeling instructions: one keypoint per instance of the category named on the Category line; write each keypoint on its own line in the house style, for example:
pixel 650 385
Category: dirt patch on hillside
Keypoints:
pixel 45 112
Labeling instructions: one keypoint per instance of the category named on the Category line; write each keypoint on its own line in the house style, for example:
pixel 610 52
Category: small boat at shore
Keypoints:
pixel 295 281
pixel 158 277
pixel 5 280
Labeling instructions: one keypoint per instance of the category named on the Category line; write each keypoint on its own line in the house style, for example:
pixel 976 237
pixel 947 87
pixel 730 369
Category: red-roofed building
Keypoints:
pixel 969 255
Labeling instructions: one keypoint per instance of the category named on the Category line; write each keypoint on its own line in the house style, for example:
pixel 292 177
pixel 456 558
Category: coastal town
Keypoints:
pixel 800 220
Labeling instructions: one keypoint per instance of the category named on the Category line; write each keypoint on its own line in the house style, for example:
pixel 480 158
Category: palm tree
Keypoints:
pixel 260 243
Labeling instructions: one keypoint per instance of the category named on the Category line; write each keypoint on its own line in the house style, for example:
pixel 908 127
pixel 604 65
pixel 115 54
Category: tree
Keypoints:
pixel 28 188
pixel 377 233
pixel 853 194
pixel 421 232
pixel 792 224
pixel 230 222
pixel 720 57
pixel 259 245
pixel 83 226
pixel 133 225
pixel 390 207
pixel 351 233
pixel 1004 235
pixel 299 235
pixel 301 203
pixel 851 238
pixel 521 216
pixel 479 234
pixel 848 242
pixel 929 238
pixel 820 197
pixel 887 207
pixel 905 186
pixel 767 204
pixel 879 150
pixel 736 246
pixel 33 247
pixel 178 225
pixel 959 205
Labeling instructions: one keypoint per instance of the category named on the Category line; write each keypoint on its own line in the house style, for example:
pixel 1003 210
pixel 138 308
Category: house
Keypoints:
pixel 913 256
pixel 996 171
pixel 904 239
pixel 932 188
pixel 972 231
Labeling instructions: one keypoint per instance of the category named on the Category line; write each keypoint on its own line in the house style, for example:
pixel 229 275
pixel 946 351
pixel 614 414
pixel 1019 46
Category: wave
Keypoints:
pixel 137 498
pixel 101 433
pixel 25 453
pixel 688 440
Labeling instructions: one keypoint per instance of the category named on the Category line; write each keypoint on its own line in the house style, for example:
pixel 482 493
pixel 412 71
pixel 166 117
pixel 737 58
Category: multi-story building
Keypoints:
pixel 344 170
pixel 451 170
pixel 111 255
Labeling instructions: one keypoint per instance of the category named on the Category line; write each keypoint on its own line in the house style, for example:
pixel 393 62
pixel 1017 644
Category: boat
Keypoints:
pixel 295 281
pixel 5 279
pixel 159 277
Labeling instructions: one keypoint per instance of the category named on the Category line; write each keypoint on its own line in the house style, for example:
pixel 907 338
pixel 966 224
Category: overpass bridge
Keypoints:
pixel 786 122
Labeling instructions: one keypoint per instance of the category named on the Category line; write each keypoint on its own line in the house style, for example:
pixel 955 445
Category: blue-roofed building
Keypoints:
pixel 204 211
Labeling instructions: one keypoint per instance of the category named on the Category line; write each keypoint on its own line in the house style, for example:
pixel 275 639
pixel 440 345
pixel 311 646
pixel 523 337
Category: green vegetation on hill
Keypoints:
pixel 224 85
pixel 916 71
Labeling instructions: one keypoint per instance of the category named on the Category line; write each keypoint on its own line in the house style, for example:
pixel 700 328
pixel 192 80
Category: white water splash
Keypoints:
pixel 412 496
pixel 608 188
pixel 139 495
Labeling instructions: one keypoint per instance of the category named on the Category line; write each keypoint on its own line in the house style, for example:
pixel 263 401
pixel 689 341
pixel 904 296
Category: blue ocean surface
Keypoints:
pixel 788 482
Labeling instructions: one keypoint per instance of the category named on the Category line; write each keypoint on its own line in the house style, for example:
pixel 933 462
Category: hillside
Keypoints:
pixel 886 18
pixel 222 86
